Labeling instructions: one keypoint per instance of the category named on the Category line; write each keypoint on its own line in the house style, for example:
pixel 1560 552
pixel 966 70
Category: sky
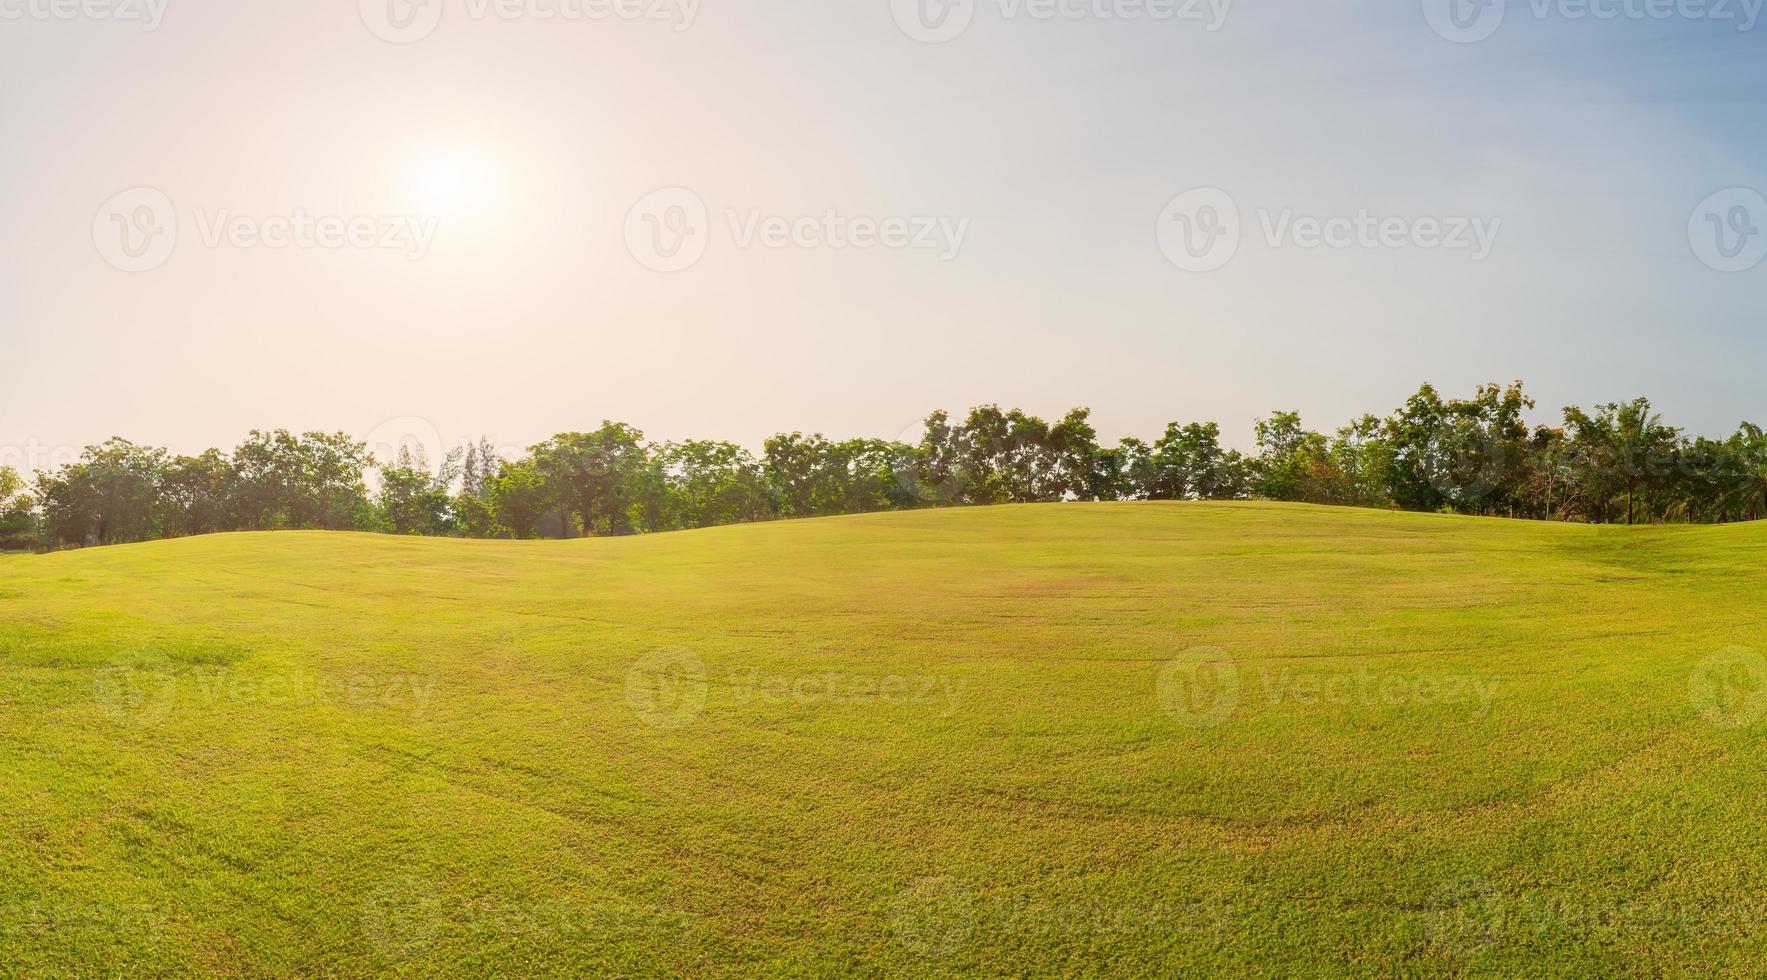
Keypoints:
pixel 447 219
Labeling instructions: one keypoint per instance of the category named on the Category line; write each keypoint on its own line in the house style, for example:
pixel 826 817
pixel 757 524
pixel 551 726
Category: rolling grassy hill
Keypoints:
pixel 1150 739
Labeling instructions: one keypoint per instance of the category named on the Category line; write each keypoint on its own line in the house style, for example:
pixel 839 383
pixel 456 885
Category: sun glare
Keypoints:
pixel 448 183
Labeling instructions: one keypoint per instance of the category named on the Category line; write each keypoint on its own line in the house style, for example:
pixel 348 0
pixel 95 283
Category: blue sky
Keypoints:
pixel 1054 144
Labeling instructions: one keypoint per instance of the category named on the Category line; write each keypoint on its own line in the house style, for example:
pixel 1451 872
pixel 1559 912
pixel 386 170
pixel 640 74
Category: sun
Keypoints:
pixel 448 182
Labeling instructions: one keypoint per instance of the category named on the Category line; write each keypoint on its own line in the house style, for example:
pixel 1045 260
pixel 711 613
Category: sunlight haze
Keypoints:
pixel 524 143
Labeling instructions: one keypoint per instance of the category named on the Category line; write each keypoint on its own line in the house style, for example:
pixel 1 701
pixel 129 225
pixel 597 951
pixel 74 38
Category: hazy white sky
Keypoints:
pixel 487 165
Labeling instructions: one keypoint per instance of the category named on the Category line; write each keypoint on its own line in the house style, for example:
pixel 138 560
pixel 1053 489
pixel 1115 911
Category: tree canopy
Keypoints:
pixel 1618 462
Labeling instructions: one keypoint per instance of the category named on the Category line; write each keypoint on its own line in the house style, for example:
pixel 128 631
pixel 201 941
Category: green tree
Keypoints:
pixel 311 481
pixel 796 465
pixel 1073 457
pixel 1623 449
pixel 1361 459
pixel 594 475
pixel 713 483
pixel 196 495
pixel 1749 450
pixel 1188 463
pixel 1291 460
pixel 519 495
pixel 1463 455
pixel 412 500
pixel 18 521
pixel 107 497
pixel 1124 471
pixel 471 507
pixel 935 474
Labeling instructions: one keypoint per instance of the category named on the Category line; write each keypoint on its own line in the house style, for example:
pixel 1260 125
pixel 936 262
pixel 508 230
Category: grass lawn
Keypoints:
pixel 1137 738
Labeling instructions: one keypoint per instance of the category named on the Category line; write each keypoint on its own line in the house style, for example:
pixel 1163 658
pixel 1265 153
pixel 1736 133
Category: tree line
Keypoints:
pixel 1616 463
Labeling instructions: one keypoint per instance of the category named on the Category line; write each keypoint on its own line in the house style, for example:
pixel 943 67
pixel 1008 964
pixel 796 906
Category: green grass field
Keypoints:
pixel 1143 739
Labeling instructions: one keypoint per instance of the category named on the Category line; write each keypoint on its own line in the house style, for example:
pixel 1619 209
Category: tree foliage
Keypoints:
pixel 1618 462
